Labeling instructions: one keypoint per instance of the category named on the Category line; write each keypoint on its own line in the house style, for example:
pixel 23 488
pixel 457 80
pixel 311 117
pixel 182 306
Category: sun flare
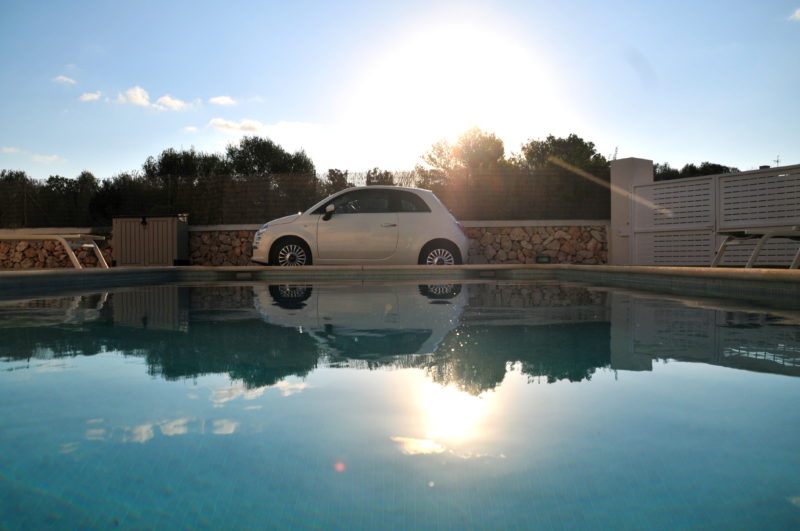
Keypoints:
pixel 451 415
pixel 442 80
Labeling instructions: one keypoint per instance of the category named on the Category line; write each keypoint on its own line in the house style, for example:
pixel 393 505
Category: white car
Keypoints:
pixel 365 225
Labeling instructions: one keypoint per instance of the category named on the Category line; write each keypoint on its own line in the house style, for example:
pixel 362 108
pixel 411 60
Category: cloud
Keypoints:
pixel 48 159
pixel 139 96
pixel 190 129
pixel 64 79
pixel 228 126
pixel 222 100
pixel 136 96
pixel 171 103
pixel 796 15
pixel 9 149
pixel 90 96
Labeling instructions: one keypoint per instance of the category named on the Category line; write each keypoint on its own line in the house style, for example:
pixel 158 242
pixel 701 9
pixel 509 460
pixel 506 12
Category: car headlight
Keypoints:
pixel 259 234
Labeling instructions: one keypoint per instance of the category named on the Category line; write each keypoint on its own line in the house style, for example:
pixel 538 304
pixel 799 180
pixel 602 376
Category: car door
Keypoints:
pixel 362 227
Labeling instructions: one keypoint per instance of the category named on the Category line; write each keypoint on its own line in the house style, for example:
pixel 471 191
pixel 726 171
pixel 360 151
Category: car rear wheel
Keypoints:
pixel 440 253
pixel 289 253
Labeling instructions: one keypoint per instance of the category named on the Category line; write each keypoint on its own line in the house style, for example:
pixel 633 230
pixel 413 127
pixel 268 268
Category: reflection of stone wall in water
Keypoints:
pixel 222 297
pixel 529 295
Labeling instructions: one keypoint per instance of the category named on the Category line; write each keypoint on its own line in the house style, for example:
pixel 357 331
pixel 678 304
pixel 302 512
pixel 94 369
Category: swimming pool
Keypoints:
pixel 377 404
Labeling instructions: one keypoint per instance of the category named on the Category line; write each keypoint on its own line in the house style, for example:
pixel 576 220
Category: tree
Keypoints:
pixel 336 180
pixel 572 150
pixel 664 172
pixel 474 150
pixel 261 156
pixel 378 176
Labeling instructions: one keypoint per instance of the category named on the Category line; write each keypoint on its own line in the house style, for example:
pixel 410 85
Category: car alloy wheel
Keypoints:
pixel 292 254
pixel 440 256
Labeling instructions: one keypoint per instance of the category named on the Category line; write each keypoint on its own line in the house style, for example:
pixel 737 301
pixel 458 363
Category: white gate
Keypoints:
pixel 676 223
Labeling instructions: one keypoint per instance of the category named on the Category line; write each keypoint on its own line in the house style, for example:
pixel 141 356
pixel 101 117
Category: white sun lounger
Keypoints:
pixel 763 235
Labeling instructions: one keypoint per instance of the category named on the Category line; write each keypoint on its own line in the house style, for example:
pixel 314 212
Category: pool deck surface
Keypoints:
pixel 772 287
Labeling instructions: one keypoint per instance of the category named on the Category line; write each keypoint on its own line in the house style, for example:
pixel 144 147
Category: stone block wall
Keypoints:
pixel 521 245
pixel 221 248
pixel 488 245
pixel 50 254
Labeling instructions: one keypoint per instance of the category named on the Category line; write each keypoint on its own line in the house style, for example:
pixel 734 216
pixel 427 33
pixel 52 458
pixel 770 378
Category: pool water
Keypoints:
pixel 379 405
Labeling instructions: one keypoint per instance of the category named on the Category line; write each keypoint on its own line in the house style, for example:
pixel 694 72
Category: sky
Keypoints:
pixel 101 86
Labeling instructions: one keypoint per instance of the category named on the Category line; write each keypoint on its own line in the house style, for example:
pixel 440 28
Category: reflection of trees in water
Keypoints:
pixel 472 358
pixel 223 338
pixel 476 358
pixel 252 351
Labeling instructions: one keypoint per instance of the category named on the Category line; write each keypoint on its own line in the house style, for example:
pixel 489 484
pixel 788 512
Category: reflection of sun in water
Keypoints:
pixel 451 414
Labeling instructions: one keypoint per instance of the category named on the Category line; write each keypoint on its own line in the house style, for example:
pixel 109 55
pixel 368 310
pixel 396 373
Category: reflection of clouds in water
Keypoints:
pixel 411 446
pixel 168 428
pixel 175 427
pixel 56 365
pixel 289 389
pixel 68 448
pixel 225 426
pixel 138 434
pixel 794 500
pixel 237 390
pixel 98 434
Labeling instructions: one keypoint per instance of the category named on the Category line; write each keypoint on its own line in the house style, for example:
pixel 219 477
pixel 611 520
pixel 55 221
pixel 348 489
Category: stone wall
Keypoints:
pixel 521 245
pixel 41 254
pixel 221 248
pixel 488 245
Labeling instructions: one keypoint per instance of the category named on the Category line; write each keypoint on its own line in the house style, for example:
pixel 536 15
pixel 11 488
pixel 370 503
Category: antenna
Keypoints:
pixel 777 161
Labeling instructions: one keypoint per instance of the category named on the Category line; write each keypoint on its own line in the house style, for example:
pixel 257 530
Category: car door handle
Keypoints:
pixel 388 224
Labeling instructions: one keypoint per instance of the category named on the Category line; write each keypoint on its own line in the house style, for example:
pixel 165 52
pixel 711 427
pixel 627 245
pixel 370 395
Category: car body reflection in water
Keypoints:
pixel 369 321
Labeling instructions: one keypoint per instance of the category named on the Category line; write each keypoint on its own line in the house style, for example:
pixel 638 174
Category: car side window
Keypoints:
pixel 362 202
pixel 410 202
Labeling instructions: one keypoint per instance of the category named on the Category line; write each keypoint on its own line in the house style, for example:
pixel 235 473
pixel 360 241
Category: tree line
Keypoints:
pixel 256 180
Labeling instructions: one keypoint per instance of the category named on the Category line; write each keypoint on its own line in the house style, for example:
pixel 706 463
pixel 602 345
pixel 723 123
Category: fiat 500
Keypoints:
pixel 365 225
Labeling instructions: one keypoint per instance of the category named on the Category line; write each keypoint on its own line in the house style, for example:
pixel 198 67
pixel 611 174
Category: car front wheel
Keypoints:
pixel 289 253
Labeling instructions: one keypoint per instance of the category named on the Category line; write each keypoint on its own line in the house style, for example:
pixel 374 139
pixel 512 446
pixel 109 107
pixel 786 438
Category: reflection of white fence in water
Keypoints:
pixel 671 330
pixel 677 222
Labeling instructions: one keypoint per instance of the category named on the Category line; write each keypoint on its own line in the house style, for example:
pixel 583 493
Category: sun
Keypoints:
pixel 443 79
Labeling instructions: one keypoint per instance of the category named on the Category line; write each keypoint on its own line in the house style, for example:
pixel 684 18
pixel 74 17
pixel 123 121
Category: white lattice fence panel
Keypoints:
pixel 677 205
pixel 759 200
pixel 685 248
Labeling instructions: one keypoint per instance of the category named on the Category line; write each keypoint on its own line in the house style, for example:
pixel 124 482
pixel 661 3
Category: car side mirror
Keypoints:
pixel 328 212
